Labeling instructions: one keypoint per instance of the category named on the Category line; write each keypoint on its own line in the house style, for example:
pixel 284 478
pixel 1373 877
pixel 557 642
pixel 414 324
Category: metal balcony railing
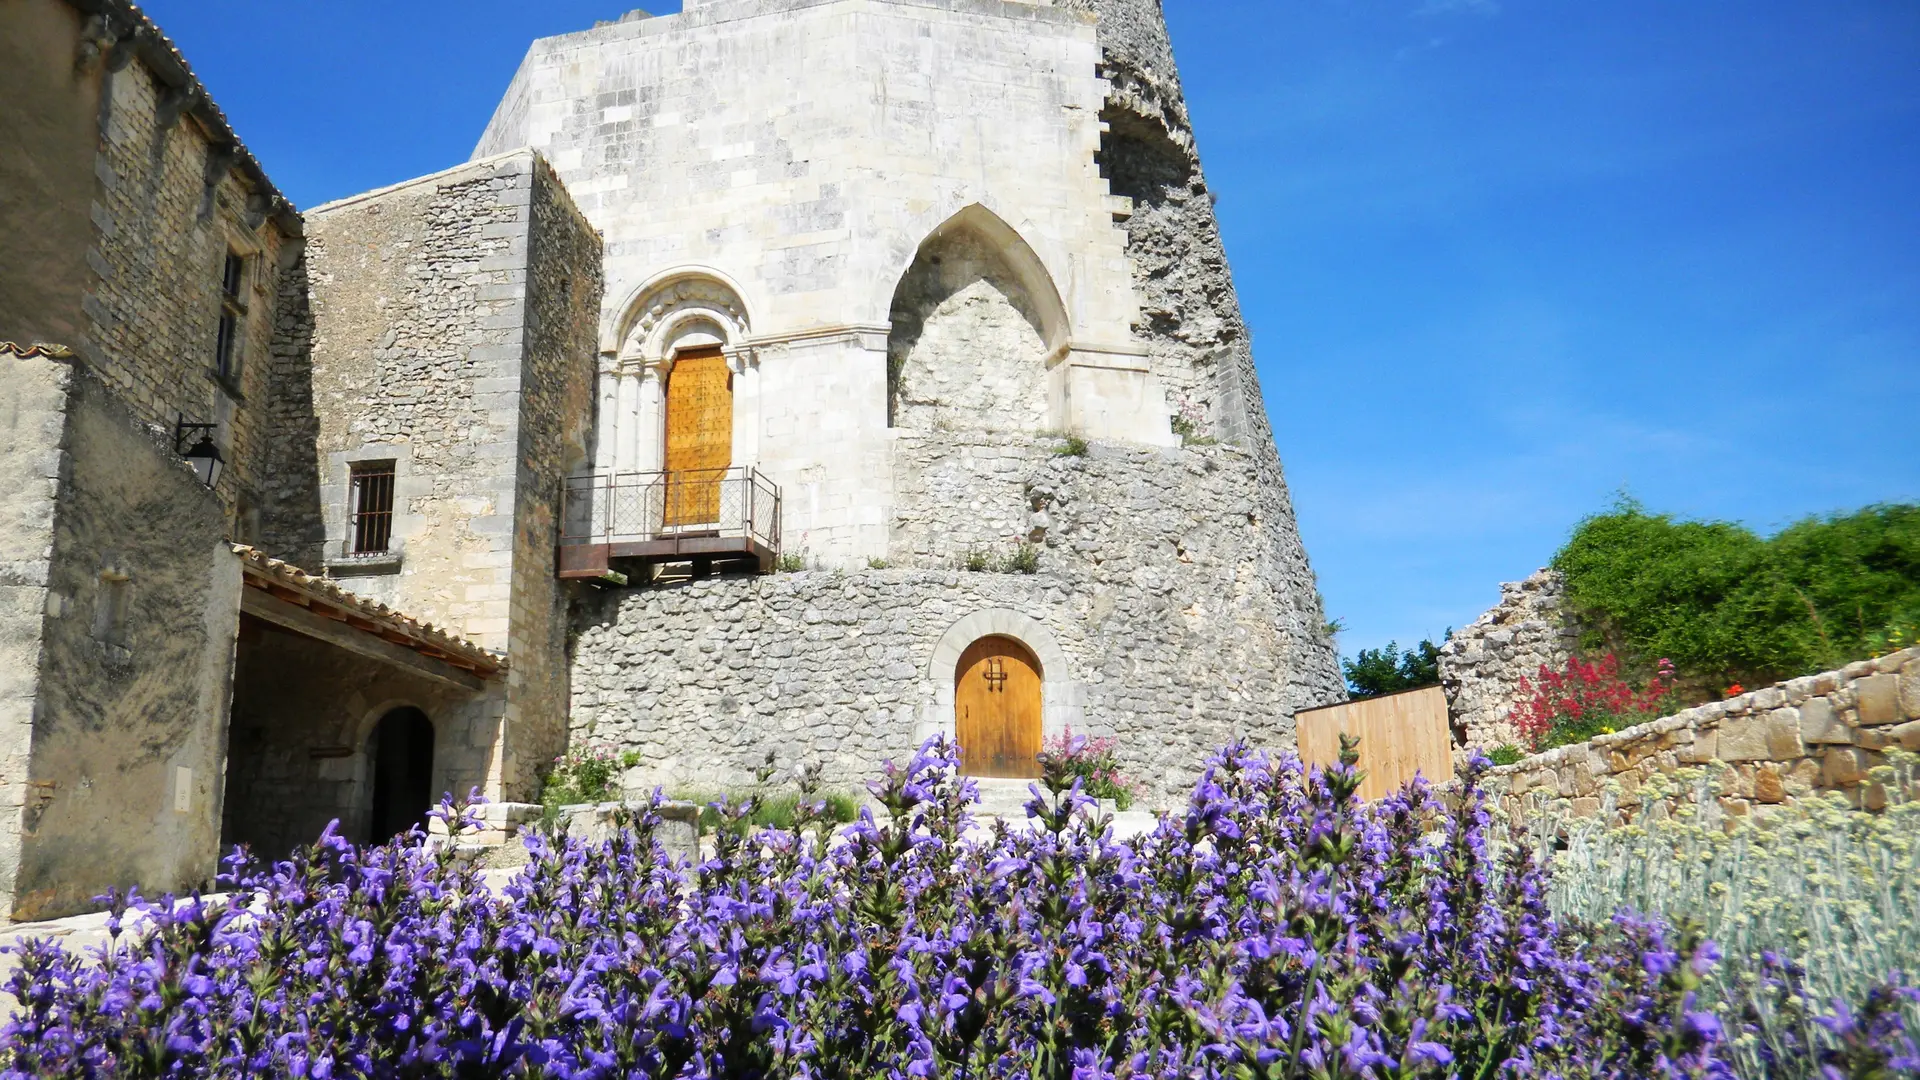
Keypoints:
pixel 693 514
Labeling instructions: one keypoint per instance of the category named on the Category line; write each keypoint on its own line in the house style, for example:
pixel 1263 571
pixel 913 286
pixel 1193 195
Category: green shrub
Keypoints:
pixel 876 564
pixel 771 811
pixel 1727 606
pixel 585 774
pixel 1025 559
pixel 792 563
pixel 977 560
pixel 1506 754
pixel 1071 446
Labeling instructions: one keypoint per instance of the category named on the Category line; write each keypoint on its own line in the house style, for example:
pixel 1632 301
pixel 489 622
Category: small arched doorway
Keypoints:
pixel 996 709
pixel 699 434
pixel 402 746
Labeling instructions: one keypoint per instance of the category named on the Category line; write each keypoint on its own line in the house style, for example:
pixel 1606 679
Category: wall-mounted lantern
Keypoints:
pixel 202 455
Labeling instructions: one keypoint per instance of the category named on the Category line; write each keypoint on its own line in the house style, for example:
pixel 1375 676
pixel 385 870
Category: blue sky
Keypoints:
pixel 1501 259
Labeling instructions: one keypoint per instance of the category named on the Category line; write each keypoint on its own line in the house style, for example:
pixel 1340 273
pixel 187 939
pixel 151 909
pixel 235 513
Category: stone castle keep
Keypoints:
pixel 803 377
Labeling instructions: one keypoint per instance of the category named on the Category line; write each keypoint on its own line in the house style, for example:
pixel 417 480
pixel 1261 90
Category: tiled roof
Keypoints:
pixel 38 348
pixel 133 28
pixel 325 596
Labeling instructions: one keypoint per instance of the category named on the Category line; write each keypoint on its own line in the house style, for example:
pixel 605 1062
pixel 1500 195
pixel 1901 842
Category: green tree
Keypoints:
pixel 1389 671
pixel 1726 605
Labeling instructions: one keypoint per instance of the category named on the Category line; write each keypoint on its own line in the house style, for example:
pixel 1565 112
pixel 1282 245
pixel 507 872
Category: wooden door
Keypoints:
pixel 996 709
pixel 699 435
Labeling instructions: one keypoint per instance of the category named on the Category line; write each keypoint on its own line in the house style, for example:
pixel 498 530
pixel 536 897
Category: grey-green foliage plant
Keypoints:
pixel 1816 887
pixel 977 560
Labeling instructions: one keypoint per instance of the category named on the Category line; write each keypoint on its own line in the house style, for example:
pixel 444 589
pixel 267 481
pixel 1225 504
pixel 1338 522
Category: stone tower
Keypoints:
pixel 923 300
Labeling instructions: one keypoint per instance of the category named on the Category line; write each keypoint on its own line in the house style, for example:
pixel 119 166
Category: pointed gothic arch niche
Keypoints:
pixel 976 320
pixel 689 311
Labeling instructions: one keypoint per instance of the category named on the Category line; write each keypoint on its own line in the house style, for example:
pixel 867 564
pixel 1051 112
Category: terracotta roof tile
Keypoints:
pixel 423 636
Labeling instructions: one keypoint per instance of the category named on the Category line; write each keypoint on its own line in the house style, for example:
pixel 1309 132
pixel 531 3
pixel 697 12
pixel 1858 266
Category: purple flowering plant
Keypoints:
pixel 1276 928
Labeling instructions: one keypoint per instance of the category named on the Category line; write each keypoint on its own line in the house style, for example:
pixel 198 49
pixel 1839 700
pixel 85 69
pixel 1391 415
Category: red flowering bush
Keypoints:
pixel 1588 698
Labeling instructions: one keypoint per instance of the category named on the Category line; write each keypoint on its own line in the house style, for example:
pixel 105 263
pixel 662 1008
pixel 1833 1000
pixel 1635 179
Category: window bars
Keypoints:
pixel 370 522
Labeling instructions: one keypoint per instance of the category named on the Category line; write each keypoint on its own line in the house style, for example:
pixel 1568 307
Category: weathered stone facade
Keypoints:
pixel 943 246
pixel 1481 665
pixel 448 327
pixel 117 757
pixel 1154 611
pixel 1814 734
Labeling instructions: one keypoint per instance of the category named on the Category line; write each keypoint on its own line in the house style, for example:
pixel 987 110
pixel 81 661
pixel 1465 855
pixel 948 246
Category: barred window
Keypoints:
pixel 233 316
pixel 370 527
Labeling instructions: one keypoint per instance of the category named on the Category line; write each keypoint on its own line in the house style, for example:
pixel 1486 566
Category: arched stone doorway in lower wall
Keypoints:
pixel 401 749
pixel 997 708
pixel 1055 703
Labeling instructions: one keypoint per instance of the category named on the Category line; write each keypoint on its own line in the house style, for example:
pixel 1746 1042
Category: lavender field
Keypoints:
pixel 1278 927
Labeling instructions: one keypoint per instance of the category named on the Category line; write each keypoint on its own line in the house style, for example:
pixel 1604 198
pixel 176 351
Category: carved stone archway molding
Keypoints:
pixel 1062 700
pixel 684 307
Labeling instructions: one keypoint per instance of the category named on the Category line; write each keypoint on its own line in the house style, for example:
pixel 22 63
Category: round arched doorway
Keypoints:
pixel 402 746
pixel 997 708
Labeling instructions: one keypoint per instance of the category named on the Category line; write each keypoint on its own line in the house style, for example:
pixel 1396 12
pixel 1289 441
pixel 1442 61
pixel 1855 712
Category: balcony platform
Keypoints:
pixel 632 523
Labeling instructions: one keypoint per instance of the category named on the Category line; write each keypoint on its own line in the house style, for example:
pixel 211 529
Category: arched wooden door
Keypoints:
pixel 699 435
pixel 402 773
pixel 996 709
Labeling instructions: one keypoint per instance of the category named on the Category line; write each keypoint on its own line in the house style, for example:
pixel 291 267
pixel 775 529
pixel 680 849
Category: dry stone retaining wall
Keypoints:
pixel 1814 734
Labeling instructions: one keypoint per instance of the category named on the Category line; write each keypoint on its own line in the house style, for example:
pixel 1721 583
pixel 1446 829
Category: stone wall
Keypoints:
pixel 125 194
pixel 51 129
pixel 1814 734
pixel 556 385
pixel 1155 611
pixel 129 727
pixel 1190 320
pixel 451 323
pixel 33 404
pixel 1481 665
pixel 966 349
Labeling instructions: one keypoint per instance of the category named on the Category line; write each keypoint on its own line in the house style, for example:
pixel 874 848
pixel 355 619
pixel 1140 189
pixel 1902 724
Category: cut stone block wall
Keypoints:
pixel 1814 734
pixel 451 324
pixel 1481 665
pixel 1156 613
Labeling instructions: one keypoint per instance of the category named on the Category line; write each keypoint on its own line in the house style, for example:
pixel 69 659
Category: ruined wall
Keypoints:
pixel 1156 583
pixel 1190 319
pixel 33 403
pixel 1481 665
pixel 1805 736
pixel 304 713
pixel 129 731
pixel 50 127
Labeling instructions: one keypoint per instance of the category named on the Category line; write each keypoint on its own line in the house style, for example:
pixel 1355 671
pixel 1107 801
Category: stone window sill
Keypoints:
pixel 226 384
pixel 384 562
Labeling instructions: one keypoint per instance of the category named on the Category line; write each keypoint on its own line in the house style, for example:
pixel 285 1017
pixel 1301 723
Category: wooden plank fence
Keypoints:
pixel 1400 735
